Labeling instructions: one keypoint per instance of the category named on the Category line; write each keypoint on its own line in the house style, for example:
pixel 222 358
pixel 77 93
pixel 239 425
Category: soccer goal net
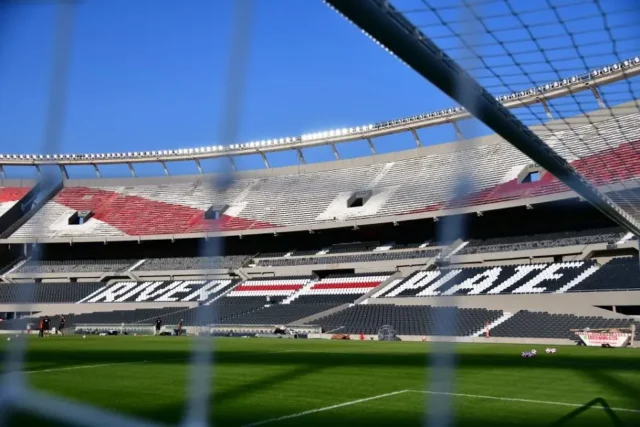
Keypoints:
pixel 558 82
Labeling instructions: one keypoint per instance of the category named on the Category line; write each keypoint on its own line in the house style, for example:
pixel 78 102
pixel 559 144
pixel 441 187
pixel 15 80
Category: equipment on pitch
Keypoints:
pixel 618 337
pixel 387 333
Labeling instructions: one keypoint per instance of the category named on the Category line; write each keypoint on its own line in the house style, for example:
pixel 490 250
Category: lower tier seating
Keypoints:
pixel 142 316
pixel 279 314
pixel 408 320
pixel 527 324
pixel 20 293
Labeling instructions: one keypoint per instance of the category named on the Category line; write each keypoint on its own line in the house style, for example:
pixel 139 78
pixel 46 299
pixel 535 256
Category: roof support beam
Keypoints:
pixel 132 170
pixel 419 52
pixel 97 169
pixel 545 105
pixel 2 172
pixel 198 165
pixel 416 137
pixel 596 95
pixel 164 167
pixel 301 158
pixel 371 146
pixel 232 163
pixel 264 159
pixel 38 170
pixel 63 171
pixel 335 151
pixel 457 129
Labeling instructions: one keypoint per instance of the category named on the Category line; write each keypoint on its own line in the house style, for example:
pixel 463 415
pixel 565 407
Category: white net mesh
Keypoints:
pixel 566 69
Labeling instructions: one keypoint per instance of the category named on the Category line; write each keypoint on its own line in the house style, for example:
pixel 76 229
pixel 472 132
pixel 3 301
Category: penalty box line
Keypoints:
pixel 473 396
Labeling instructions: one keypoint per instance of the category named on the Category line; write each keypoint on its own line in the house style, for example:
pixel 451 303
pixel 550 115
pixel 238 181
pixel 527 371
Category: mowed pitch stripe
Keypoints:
pixel 474 396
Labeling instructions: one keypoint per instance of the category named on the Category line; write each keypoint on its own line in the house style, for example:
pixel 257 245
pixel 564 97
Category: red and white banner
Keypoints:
pixel 598 339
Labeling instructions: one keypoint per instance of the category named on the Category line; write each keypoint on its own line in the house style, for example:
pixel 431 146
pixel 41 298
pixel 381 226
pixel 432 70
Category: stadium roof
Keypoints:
pixel 541 95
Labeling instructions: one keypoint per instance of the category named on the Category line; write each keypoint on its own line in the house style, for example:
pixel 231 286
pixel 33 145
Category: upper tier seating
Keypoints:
pixel 317 197
pixel 530 278
pixel 193 263
pixel 408 320
pixel 370 257
pixel 76 266
pixel 527 324
pixel 541 241
pixel 227 262
pixel 9 196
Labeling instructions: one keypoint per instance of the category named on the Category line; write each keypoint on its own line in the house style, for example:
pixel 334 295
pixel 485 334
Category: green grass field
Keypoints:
pixel 258 380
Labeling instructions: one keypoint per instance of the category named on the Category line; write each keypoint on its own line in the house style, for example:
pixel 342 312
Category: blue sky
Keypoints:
pixel 151 74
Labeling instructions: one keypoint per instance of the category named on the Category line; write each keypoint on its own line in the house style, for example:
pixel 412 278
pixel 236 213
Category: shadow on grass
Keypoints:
pixel 593 405
pixel 57 358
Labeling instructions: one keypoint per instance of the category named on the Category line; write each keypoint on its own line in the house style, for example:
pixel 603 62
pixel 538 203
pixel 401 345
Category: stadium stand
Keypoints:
pixel 46 293
pixel 218 312
pixel 619 273
pixel 279 314
pixel 75 266
pixel 408 320
pixel 527 324
pixel 9 196
pixel 204 291
pixel 516 279
pixel 542 241
pixel 273 288
pixel 193 263
pixel 339 289
pixel 320 197
pixel 369 257
pixel 141 316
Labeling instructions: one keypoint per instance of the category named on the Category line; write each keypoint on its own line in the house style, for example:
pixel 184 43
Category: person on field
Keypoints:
pixel 158 325
pixel 41 328
pixel 180 327
pixel 47 324
pixel 61 325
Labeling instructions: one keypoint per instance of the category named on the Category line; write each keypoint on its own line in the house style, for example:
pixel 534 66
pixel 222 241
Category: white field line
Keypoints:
pixel 104 365
pixel 101 365
pixel 513 399
pixel 474 396
pixel 326 408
